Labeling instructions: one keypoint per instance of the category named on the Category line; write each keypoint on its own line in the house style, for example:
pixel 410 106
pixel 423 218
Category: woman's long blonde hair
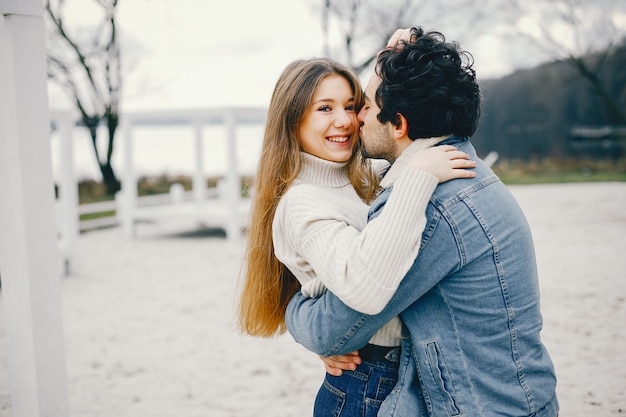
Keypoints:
pixel 268 285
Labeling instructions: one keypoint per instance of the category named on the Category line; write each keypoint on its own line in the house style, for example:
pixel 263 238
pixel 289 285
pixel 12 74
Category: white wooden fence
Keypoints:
pixel 222 208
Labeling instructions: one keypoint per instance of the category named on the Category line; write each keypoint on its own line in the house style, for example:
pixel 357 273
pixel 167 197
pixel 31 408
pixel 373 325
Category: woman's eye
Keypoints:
pixel 325 108
pixel 350 108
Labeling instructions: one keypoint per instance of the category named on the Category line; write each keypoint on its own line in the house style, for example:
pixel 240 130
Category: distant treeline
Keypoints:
pixel 551 111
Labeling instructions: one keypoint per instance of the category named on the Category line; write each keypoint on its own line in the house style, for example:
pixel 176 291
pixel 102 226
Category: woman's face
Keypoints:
pixel 328 127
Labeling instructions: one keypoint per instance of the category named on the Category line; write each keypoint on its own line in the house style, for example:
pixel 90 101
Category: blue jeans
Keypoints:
pixel 357 393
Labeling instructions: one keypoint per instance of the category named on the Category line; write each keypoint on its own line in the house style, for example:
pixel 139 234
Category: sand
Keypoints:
pixel 150 322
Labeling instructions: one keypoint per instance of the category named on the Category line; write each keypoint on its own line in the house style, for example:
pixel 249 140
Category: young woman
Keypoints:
pixel 309 227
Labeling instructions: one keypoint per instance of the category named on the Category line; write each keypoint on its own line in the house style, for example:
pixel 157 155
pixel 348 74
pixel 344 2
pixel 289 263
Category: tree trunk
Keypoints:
pixel 108 175
pixel 109 179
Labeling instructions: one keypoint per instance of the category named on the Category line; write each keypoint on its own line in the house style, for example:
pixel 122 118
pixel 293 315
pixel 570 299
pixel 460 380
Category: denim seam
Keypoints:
pixel 402 377
pixel 458 338
pixel 348 335
pixel 463 194
pixel 509 310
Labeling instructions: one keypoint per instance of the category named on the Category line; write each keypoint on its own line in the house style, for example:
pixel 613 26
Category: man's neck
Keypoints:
pixel 405 155
pixel 406 142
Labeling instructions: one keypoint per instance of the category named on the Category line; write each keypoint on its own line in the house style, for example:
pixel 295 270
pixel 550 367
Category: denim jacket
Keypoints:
pixel 470 306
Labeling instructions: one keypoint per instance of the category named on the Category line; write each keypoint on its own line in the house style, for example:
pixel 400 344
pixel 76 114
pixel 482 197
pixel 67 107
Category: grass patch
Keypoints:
pixel 93 216
pixel 560 171
pixel 90 191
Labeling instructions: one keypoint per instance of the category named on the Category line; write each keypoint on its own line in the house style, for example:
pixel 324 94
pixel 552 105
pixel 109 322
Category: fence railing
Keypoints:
pixel 222 208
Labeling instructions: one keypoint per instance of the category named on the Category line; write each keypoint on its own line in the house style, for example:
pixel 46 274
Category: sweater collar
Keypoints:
pixel 319 171
pixel 398 166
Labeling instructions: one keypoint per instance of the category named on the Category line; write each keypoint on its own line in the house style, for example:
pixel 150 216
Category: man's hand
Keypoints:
pixel 335 365
pixel 399 35
pixel 403 35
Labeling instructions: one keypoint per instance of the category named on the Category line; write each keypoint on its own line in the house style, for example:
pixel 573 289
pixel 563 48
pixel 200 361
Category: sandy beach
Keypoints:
pixel 150 322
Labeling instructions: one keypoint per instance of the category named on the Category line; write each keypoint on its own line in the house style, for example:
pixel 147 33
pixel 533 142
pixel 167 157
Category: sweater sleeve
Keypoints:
pixel 363 269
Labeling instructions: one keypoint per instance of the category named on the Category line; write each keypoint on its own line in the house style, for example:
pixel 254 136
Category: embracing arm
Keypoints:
pixel 353 330
pixel 328 327
pixel 363 268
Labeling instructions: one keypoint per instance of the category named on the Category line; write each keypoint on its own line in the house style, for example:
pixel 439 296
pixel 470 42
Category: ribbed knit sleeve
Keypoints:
pixel 315 239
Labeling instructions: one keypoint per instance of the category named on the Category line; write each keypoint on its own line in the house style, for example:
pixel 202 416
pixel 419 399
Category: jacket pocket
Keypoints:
pixel 441 378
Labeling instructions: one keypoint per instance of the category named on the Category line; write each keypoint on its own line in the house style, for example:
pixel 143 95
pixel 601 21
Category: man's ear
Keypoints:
pixel 401 130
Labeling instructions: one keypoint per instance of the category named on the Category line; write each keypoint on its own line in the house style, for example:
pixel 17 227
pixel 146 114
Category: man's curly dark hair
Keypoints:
pixel 430 82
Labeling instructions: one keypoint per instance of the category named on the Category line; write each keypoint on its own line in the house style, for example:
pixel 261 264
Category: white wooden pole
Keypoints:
pixel 68 192
pixel 233 181
pixel 29 267
pixel 199 183
pixel 129 198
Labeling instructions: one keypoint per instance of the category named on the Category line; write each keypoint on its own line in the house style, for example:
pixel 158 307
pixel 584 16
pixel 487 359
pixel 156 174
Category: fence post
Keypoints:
pixel 29 259
pixel 233 180
pixel 68 193
pixel 491 158
pixel 199 183
pixel 128 199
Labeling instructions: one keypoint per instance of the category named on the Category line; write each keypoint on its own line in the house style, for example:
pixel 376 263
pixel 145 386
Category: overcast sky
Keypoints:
pixel 208 53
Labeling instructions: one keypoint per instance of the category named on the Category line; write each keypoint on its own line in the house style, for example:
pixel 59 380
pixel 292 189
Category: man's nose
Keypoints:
pixel 361 116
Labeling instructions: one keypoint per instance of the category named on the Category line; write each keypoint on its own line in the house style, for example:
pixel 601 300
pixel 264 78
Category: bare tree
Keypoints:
pixel 364 26
pixel 579 33
pixel 86 64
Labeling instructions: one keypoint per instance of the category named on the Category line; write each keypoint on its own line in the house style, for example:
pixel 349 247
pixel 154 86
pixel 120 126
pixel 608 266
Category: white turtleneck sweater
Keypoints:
pixel 321 233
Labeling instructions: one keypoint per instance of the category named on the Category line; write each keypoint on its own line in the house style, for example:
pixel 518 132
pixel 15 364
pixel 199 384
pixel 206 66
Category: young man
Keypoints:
pixel 470 302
